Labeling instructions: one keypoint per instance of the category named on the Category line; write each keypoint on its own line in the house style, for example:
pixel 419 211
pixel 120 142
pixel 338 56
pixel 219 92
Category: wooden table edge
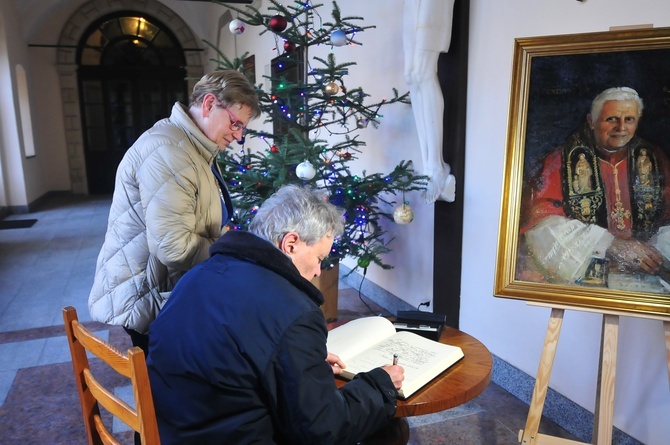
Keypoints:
pixel 457 385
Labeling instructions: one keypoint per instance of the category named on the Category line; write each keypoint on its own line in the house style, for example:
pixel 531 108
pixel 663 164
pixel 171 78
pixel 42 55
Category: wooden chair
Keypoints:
pixel 132 365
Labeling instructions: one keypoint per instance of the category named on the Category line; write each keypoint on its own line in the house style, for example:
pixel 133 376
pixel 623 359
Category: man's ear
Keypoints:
pixel 289 242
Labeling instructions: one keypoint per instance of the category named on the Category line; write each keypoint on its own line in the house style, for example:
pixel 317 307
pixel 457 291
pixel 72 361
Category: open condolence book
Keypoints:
pixel 370 342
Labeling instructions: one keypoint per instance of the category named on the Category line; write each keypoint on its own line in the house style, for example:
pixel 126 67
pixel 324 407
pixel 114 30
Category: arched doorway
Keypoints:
pixel 130 72
pixel 68 68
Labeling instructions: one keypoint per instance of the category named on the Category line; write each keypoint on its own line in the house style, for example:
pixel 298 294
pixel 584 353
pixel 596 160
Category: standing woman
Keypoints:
pixel 169 204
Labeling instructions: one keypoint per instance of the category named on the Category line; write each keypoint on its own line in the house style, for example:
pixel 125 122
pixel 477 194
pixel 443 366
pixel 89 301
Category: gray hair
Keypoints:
pixel 303 210
pixel 617 93
pixel 230 87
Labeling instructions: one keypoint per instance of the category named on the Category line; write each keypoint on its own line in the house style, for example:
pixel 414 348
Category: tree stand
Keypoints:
pixel 328 284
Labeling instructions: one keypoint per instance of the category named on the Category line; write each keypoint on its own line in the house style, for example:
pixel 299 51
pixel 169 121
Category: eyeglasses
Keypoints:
pixel 235 123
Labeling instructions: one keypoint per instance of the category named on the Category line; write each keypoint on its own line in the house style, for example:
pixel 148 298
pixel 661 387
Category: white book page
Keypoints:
pixel 355 336
pixel 415 354
pixel 371 342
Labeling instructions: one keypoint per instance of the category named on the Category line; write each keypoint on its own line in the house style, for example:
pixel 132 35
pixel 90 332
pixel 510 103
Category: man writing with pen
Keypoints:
pixel 238 354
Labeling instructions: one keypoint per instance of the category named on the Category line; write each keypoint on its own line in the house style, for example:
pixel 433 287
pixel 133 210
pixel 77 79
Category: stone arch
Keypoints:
pixel 67 68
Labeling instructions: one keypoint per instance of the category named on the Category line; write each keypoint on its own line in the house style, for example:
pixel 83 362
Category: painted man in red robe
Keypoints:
pixel 600 214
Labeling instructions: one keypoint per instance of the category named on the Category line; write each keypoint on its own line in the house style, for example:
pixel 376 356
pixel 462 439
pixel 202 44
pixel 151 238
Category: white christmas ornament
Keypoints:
pixel 403 214
pixel 338 38
pixel 236 26
pixel 305 171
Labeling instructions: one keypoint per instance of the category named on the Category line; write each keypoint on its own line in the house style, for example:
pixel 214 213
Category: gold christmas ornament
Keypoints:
pixel 331 88
pixel 403 214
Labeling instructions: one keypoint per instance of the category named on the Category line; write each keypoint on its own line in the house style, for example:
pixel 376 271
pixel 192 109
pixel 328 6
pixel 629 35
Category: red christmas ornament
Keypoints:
pixel 289 47
pixel 346 155
pixel 278 23
pixel 274 149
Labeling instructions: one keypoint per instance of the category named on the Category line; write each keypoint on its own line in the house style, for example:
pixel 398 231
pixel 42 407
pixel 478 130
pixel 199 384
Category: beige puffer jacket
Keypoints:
pixel 165 214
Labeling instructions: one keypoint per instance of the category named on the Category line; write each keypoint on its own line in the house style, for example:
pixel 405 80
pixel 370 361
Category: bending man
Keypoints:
pixel 238 354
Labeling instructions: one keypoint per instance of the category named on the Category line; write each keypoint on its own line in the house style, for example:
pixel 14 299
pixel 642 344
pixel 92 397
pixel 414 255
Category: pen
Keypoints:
pixel 395 359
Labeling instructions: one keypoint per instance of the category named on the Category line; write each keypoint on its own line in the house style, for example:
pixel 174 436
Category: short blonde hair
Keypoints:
pixel 230 87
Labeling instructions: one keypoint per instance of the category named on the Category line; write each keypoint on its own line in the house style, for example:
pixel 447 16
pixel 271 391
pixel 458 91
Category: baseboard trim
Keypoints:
pixel 35 205
pixel 558 408
pixel 374 292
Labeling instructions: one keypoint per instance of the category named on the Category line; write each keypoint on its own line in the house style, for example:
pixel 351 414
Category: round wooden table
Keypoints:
pixel 460 383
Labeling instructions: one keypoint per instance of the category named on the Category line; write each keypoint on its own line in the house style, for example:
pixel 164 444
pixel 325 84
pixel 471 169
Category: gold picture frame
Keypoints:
pixel 554 80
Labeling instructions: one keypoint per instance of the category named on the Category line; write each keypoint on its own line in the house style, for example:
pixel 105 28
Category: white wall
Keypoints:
pixel 511 329
pixel 11 158
pixel 27 179
pixel 378 70
pixel 5 86
pixel 48 170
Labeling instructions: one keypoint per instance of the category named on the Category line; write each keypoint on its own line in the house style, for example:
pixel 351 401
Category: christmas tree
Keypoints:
pixel 308 98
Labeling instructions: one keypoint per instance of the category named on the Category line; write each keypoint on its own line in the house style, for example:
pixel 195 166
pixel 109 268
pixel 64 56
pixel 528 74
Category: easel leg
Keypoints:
pixel 604 412
pixel 529 434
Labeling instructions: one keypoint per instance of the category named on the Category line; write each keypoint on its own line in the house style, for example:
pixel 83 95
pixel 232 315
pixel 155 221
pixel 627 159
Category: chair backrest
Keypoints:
pixel 132 365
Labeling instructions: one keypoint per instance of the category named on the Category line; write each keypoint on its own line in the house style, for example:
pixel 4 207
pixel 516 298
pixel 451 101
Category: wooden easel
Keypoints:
pixel 604 409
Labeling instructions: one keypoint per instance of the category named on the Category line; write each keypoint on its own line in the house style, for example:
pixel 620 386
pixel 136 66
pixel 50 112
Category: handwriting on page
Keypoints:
pixel 410 357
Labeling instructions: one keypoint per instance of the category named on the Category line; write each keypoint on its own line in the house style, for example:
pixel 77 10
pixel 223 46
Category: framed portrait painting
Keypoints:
pixel 585 211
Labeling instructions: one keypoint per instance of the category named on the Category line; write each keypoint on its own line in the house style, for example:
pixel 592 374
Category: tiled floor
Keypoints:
pixel 50 265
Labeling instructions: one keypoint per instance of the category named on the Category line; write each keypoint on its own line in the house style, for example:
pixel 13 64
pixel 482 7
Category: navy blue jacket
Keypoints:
pixel 237 356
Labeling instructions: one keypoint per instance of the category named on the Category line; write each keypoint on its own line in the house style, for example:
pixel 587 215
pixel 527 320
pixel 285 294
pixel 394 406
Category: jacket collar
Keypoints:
pixel 249 247
pixel 205 146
